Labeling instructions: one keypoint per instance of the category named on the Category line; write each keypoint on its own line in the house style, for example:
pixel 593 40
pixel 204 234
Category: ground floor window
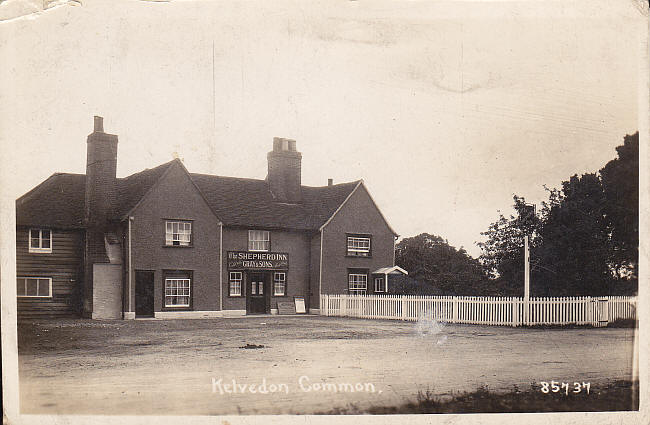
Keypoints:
pixel 177 292
pixel 279 283
pixel 235 284
pixel 357 283
pixel 380 285
pixel 34 287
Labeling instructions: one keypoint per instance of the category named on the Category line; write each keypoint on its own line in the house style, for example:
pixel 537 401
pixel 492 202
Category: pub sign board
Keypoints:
pixel 258 260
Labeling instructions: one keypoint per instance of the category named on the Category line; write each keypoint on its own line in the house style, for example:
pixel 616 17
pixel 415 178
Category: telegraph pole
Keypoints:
pixel 526 278
pixel 530 214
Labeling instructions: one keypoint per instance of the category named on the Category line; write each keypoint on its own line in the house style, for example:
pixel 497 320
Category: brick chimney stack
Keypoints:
pixel 101 181
pixel 284 177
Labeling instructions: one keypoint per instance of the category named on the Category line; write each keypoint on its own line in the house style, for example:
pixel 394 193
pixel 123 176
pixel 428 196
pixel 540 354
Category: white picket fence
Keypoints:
pixel 504 311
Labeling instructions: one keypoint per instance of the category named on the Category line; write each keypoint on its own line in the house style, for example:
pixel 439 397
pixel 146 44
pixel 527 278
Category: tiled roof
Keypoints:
pixel 59 201
pixel 248 202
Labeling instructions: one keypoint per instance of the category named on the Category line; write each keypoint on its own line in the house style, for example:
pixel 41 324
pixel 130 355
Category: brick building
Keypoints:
pixel 168 243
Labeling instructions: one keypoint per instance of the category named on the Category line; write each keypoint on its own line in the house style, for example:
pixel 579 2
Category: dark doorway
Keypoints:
pixel 143 293
pixel 257 294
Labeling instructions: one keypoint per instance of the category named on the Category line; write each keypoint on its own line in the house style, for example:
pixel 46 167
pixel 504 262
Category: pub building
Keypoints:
pixel 168 243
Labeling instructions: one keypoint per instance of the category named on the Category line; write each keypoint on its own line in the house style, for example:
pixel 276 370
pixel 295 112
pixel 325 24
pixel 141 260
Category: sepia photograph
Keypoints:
pixel 324 211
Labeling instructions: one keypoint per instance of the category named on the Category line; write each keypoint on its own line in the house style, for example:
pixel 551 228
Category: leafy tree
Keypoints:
pixel 503 252
pixel 571 258
pixel 583 242
pixel 430 259
pixel 620 179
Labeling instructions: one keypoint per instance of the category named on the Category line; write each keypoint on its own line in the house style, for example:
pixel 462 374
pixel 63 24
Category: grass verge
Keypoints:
pixel 615 396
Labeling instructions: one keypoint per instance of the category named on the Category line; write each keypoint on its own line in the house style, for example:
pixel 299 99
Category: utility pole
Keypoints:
pixel 526 269
pixel 529 215
pixel 526 278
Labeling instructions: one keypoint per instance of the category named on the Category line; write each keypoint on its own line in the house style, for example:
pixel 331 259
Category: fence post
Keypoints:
pixel 403 299
pixel 515 312
pixel 344 305
pixel 455 309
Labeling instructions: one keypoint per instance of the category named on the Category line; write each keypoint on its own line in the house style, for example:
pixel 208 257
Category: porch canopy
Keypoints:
pixel 387 271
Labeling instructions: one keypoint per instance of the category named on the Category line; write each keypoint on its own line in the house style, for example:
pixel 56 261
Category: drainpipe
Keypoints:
pixel 221 267
pixel 130 270
pixel 394 240
pixel 320 270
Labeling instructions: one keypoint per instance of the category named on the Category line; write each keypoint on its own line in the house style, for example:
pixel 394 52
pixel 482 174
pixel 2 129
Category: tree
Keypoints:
pixel 503 251
pixel 620 178
pixel 571 258
pixel 585 240
pixel 430 259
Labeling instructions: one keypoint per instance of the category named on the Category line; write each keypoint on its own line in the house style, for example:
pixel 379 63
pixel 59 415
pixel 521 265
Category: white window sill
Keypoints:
pixel 40 250
pixel 34 296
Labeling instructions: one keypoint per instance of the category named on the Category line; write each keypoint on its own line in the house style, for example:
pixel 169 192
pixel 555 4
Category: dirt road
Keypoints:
pixel 289 364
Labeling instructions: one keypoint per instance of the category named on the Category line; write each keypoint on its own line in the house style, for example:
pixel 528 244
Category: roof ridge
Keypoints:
pixel 33 190
pixel 58 173
pixel 227 177
pixel 354 182
pixel 168 163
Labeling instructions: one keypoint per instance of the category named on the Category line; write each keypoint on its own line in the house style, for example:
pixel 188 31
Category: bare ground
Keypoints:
pixel 167 366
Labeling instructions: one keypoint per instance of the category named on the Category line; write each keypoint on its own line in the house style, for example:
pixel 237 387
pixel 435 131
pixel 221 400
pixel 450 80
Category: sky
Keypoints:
pixel 444 109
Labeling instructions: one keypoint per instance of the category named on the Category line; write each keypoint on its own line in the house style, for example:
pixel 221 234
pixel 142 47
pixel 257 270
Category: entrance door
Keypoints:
pixel 257 292
pixel 143 293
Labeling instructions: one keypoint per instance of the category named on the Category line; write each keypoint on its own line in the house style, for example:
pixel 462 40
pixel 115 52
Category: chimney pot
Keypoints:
pixel 277 144
pixel 99 124
pixel 292 145
pixel 330 182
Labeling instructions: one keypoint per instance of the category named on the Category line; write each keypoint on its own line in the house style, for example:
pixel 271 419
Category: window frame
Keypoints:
pixel 250 240
pixel 357 291
pixel 358 252
pixel 385 284
pixel 274 281
pixel 184 222
pixel 39 249
pixel 241 284
pixel 49 279
pixel 177 275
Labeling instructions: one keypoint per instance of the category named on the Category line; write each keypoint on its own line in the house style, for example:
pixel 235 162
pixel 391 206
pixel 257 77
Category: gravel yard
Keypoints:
pixel 293 364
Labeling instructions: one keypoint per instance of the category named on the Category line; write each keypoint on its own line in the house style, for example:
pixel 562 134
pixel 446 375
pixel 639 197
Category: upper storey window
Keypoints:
pixel 359 245
pixel 40 240
pixel 259 240
pixel 178 233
